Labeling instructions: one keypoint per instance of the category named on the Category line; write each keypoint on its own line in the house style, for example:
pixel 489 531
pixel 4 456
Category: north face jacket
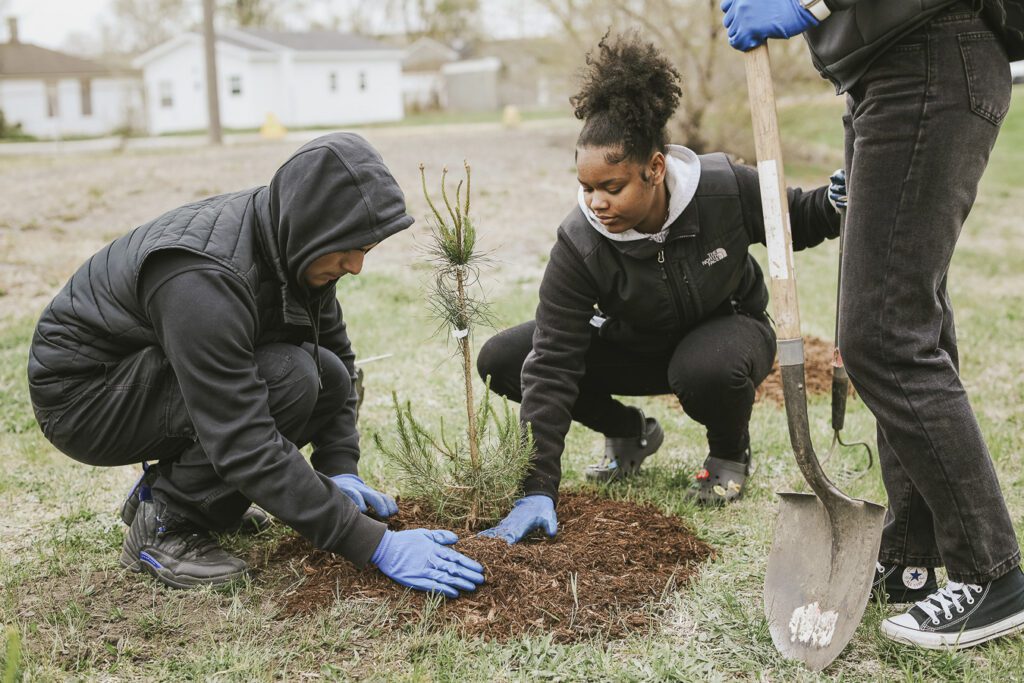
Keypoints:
pixel 650 294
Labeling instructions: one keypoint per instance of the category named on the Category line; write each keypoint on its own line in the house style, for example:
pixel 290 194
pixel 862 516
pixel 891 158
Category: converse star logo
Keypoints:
pixel 915 577
pixel 714 257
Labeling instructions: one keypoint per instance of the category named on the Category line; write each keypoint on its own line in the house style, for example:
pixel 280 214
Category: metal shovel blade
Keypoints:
pixel 819 574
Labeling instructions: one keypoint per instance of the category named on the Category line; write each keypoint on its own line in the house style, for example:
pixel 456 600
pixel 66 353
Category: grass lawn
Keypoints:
pixel 78 616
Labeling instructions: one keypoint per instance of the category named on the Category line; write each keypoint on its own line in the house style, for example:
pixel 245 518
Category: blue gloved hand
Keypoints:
pixel 361 494
pixel 837 195
pixel 419 559
pixel 529 513
pixel 751 22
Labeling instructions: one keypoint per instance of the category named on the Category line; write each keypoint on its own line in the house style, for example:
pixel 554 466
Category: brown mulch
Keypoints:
pixel 817 371
pixel 602 574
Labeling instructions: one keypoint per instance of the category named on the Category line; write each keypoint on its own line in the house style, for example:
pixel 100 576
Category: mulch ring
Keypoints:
pixel 603 574
pixel 817 371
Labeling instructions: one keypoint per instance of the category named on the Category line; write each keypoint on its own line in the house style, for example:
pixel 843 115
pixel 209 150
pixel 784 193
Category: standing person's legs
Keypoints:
pixel 923 122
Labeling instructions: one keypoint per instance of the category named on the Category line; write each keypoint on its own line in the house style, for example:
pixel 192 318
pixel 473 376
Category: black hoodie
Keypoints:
pixel 209 283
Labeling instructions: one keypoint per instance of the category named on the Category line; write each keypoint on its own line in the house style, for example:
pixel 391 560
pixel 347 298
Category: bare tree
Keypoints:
pixel 141 24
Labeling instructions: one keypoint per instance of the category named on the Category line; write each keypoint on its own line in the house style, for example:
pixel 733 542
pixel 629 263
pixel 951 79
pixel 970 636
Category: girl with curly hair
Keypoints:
pixel 649 290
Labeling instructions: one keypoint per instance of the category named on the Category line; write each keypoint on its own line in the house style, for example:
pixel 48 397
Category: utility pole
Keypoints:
pixel 212 98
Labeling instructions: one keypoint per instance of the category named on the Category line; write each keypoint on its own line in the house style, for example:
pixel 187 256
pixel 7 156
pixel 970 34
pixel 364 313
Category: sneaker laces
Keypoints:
pixel 947 597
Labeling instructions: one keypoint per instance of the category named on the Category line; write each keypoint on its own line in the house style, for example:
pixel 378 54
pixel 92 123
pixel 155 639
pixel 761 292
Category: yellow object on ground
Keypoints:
pixel 272 128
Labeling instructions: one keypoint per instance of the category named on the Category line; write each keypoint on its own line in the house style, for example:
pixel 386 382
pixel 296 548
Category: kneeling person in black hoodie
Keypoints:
pixel 211 341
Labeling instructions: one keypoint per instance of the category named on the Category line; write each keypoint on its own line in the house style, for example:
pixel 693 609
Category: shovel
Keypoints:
pixel 826 544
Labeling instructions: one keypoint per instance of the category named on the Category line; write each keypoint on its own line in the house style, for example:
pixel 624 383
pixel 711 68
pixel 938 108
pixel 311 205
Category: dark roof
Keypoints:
pixel 26 59
pixel 318 40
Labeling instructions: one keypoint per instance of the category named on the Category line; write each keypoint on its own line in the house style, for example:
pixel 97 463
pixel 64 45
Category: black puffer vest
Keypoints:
pixel 97 317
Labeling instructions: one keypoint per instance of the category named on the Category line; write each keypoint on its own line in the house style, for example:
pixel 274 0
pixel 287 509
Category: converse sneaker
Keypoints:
pixel 720 481
pixel 176 553
pixel 962 614
pixel 624 455
pixel 898 584
pixel 252 521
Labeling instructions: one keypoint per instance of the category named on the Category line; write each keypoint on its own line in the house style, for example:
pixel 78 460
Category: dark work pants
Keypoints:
pixel 920 126
pixel 713 371
pixel 136 413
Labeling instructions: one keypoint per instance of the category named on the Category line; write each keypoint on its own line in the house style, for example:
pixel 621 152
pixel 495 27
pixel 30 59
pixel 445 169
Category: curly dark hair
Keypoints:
pixel 629 92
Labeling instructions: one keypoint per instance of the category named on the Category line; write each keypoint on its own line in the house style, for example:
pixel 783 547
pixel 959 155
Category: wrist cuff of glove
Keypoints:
pixel 817 8
pixel 382 548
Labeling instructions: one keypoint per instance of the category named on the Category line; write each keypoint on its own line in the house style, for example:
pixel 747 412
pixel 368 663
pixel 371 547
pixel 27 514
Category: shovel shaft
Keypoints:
pixel 840 380
pixel 775 205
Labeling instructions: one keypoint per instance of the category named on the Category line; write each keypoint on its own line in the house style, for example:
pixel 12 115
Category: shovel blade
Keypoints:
pixel 819 575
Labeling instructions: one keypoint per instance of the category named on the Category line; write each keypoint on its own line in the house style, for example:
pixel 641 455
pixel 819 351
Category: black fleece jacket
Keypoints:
pixel 651 293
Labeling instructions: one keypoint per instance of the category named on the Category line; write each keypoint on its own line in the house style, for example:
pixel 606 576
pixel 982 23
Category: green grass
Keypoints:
pixel 79 616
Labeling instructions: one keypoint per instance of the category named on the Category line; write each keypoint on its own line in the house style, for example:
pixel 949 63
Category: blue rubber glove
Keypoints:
pixel 751 22
pixel 837 195
pixel 529 513
pixel 361 494
pixel 420 559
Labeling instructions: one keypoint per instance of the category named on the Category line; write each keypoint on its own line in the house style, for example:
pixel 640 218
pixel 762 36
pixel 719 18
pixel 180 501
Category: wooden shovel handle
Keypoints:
pixel 774 201
pixel 775 205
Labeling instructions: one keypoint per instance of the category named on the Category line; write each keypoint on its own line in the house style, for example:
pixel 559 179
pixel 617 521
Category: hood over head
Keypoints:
pixel 333 194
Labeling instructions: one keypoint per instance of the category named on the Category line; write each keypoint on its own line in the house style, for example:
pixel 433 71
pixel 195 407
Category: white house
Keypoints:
pixel 54 95
pixel 422 81
pixel 316 78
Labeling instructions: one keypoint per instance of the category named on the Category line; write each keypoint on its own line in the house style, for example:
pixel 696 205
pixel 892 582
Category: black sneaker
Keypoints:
pixel 962 614
pixel 176 553
pixel 898 584
pixel 720 481
pixel 624 455
pixel 252 521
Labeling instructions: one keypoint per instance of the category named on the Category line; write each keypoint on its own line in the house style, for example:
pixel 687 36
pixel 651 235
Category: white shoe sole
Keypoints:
pixel 953 641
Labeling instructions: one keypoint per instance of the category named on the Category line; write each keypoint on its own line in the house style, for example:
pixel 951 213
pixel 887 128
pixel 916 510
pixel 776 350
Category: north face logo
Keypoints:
pixel 714 257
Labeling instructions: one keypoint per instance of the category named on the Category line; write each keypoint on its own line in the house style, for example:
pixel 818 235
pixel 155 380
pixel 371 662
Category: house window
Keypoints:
pixel 86 92
pixel 235 83
pixel 332 81
pixel 362 80
pixel 166 90
pixel 52 100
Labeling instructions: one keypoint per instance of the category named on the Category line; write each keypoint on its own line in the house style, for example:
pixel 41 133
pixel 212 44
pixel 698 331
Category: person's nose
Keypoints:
pixel 598 201
pixel 354 262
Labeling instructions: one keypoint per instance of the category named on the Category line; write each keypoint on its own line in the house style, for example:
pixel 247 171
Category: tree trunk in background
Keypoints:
pixel 212 97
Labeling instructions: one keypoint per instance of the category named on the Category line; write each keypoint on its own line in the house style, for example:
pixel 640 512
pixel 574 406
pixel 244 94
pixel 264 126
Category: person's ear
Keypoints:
pixel 656 168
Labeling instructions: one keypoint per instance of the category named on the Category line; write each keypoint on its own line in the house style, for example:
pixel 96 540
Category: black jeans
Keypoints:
pixel 713 371
pixel 135 412
pixel 919 129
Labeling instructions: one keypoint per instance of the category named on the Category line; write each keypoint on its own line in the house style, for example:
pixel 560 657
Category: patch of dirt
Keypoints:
pixel 817 371
pixel 602 574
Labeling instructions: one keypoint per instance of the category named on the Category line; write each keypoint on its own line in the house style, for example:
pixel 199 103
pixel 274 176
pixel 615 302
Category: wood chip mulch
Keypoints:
pixel 603 574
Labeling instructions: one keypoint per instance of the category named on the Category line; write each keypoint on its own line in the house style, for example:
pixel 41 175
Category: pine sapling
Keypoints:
pixel 472 481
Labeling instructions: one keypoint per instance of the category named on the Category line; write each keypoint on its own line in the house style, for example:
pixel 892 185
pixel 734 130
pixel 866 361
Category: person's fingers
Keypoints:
pixel 356 497
pixel 378 501
pixel 443 536
pixel 450 580
pixel 551 525
pixel 429 586
pixel 726 4
pixel 392 505
pixel 473 569
pixel 490 533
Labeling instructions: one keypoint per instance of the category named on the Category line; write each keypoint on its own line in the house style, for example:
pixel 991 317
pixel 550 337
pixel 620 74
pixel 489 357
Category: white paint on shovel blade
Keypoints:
pixel 775 236
pixel 810 625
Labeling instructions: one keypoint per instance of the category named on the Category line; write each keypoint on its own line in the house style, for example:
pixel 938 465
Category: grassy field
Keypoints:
pixel 78 616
